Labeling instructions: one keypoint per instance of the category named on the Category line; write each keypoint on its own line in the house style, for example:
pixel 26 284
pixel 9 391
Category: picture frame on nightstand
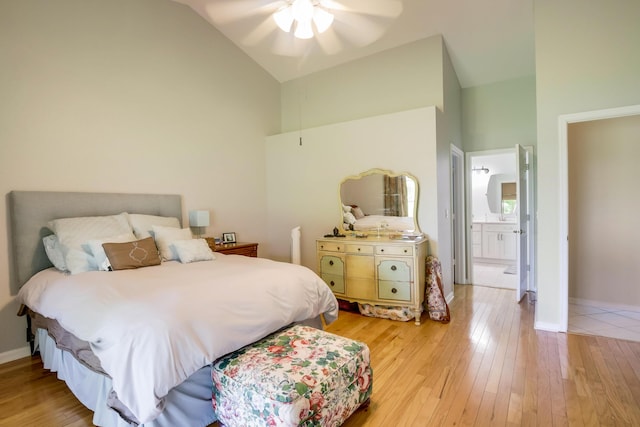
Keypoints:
pixel 229 237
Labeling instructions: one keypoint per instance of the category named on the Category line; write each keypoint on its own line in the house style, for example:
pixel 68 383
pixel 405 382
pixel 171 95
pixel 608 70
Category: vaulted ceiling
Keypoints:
pixel 488 40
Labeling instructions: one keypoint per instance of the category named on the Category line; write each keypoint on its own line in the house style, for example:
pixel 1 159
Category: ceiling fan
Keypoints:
pixel 356 23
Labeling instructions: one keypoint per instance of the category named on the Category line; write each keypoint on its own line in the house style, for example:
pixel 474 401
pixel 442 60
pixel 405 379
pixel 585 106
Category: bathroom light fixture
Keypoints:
pixel 482 169
pixel 303 12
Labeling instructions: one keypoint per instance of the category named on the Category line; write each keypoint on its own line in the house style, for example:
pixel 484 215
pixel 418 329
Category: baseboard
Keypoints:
pixel 449 298
pixel 549 327
pixel 11 355
pixel 605 305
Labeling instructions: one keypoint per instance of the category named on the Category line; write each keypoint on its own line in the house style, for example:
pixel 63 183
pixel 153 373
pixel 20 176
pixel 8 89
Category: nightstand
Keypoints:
pixel 240 248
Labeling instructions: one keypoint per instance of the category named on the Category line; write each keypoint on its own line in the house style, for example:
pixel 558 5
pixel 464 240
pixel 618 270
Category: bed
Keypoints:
pixel 142 339
pixel 375 222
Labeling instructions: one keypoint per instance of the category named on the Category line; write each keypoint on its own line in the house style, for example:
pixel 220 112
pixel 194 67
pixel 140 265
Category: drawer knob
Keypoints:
pixel 321 246
pixel 358 249
pixel 394 268
pixel 394 291
pixel 331 262
pixel 405 251
pixel 338 247
pixel 381 250
pixel 332 283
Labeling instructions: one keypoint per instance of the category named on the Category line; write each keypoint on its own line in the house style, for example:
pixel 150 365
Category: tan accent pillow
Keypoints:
pixel 357 212
pixel 140 253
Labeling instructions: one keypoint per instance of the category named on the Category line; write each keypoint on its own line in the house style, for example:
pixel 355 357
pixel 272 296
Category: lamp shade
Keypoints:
pixel 199 218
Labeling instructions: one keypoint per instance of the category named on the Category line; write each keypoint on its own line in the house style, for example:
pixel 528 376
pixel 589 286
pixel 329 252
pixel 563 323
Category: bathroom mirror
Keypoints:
pixel 379 200
pixel 501 193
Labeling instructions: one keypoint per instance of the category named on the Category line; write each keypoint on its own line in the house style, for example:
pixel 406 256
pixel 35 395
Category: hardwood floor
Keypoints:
pixel 488 367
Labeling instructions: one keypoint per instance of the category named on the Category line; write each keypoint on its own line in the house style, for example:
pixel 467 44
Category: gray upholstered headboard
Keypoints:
pixel 30 211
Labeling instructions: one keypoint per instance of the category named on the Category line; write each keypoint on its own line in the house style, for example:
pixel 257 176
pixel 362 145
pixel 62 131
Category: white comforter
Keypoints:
pixel 372 222
pixel 153 327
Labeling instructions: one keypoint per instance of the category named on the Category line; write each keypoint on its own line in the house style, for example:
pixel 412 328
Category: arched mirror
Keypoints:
pixel 380 200
pixel 501 194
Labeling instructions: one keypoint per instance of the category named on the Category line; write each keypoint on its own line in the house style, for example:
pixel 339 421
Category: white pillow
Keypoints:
pixel 54 252
pixel 193 250
pixel 100 260
pixel 349 218
pixel 73 233
pixel 165 236
pixel 143 224
pixel 346 208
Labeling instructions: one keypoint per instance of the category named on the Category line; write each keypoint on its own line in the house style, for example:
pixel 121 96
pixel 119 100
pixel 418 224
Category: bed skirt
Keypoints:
pixel 188 404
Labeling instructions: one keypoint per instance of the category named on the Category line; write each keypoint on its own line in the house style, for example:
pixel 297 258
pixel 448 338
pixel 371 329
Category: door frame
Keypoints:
pixel 459 217
pixel 563 128
pixel 531 231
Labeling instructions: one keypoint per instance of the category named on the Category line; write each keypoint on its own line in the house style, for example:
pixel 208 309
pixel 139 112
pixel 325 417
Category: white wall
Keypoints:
pixel 499 115
pixel 586 59
pixel 604 261
pixel 129 96
pixel 303 180
pixel 398 79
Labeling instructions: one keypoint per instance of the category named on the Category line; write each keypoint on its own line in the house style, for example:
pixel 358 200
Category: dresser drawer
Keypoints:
pixel 360 249
pixel 360 267
pixel 246 249
pixel 331 264
pixel 331 246
pixel 394 270
pixel 335 282
pixel 394 250
pixel 397 291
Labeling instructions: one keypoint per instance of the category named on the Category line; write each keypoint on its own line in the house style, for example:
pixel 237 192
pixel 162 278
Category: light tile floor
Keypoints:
pixel 493 275
pixel 591 320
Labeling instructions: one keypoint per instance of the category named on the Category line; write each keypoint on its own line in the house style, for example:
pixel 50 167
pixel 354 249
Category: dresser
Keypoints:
pixel 240 248
pixel 375 270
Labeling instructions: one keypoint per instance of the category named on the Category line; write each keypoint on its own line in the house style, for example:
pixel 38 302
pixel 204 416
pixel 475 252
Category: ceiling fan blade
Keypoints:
pixel 259 33
pixel 359 30
pixel 228 11
pixel 382 8
pixel 330 42
pixel 284 44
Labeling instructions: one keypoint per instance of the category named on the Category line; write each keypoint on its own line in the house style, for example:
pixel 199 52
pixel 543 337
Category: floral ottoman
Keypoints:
pixel 300 376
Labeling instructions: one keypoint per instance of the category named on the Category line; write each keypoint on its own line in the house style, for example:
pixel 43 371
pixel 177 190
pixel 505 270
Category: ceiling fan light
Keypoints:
pixel 303 29
pixel 284 18
pixel 322 19
pixel 302 10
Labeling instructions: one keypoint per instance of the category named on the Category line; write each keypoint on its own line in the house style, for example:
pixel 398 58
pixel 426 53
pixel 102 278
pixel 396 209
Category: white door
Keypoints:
pixel 522 172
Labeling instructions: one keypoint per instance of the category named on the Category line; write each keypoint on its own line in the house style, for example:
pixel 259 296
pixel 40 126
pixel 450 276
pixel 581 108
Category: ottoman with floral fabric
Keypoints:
pixel 299 376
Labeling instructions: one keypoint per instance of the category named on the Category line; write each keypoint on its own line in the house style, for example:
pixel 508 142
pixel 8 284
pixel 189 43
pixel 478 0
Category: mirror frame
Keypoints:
pixel 494 191
pixel 377 171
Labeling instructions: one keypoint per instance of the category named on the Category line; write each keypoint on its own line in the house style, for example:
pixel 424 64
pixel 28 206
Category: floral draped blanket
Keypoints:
pixel 436 302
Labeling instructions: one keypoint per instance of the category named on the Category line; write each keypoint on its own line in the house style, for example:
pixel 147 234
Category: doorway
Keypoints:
pixel 599 205
pixel 499 231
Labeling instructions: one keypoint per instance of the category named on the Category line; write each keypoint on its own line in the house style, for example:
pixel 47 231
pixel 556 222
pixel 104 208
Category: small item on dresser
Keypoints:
pixel 229 237
pixel 336 233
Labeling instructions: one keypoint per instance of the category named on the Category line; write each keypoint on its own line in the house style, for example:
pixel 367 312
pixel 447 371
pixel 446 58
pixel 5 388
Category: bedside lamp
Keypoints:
pixel 198 220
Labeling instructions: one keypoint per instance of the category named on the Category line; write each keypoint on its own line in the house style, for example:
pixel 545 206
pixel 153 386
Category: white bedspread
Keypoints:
pixel 372 222
pixel 153 327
